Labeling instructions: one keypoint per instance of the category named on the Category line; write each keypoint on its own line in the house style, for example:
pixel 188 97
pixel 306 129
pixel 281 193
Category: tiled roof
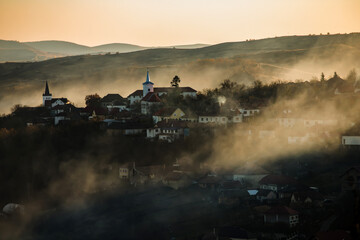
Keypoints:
pixel 165 111
pixel 112 97
pixel 138 93
pixel 151 97
pixel 64 100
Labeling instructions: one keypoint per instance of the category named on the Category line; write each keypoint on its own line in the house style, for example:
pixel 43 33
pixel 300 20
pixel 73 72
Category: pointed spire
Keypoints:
pixel 147 76
pixel 47 92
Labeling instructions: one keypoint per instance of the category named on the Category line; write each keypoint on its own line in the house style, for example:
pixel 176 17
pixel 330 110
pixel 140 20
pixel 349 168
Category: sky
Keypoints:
pixel 172 22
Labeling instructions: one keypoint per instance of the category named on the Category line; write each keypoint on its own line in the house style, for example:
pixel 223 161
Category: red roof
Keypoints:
pixel 165 111
pixel 282 210
pixel 151 97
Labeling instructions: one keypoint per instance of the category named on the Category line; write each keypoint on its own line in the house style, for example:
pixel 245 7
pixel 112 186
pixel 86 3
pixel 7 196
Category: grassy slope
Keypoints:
pixel 16 51
pixel 265 59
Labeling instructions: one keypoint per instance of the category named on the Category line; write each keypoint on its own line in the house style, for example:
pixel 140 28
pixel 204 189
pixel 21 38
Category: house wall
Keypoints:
pixel 57 119
pixel 46 98
pixel 249 112
pixel 134 99
pixel 269 187
pixel 237 119
pixel 350 140
pixel 291 220
pixel 152 132
pixel 57 102
pixel 221 120
pixel 189 94
pixel 123 173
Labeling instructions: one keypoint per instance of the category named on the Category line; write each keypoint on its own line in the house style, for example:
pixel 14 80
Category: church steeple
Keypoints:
pixel 47 92
pixel 47 96
pixel 147 85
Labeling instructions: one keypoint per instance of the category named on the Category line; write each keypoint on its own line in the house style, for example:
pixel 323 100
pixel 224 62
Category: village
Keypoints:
pixel 280 203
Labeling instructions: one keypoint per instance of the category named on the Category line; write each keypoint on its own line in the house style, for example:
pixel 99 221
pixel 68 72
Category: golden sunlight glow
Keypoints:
pixel 163 22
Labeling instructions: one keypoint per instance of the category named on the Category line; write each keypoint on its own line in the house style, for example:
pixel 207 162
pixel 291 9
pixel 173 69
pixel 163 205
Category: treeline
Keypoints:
pixel 231 94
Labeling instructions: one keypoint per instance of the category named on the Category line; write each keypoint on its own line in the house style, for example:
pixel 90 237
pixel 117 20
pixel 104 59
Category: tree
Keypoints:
pixel 227 84
pixel 175 82
pixel 352 76
pixel 92 100
pixel 322 79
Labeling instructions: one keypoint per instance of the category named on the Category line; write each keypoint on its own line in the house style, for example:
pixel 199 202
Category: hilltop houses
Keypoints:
pixel 148 87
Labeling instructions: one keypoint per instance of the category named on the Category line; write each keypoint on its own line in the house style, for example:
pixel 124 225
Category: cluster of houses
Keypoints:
pixel 275 199
pixel 154 121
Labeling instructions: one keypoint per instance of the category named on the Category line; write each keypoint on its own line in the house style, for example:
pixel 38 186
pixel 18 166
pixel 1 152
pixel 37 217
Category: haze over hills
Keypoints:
pixel 13 51
pixel 281 58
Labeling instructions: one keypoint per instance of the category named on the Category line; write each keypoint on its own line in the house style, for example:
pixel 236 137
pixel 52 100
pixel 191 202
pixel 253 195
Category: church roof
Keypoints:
pixel 151 97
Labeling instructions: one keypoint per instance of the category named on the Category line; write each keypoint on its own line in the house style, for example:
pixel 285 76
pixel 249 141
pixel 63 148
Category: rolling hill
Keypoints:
pixel 13 51
pixel 281 58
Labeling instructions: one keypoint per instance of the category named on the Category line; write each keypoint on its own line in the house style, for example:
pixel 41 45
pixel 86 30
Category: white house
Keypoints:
pixel 153 132
pixel 248 112
pixel 148 86
pixel 220 120
pixel 350 140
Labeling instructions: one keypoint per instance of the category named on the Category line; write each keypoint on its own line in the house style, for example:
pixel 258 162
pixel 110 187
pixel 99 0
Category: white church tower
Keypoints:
pixel 47 96
pixel 147 86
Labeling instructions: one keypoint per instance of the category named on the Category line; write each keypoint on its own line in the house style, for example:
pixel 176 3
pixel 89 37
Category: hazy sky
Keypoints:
pixel 169 22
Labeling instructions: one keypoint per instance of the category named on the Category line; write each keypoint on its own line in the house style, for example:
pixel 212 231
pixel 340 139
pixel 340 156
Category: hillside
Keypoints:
pixel 282 58
pixel 14 51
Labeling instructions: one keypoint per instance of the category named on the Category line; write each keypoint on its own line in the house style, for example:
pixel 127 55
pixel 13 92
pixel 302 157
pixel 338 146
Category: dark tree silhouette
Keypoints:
pixel 175 82
pixel 92 100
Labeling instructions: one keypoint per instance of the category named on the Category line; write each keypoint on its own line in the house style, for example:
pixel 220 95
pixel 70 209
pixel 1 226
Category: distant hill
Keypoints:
pixel 62 47
pixel 117 47
pixel 280 58
pixel 14 51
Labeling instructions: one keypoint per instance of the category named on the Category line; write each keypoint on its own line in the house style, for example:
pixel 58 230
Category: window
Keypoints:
pixel 202 119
